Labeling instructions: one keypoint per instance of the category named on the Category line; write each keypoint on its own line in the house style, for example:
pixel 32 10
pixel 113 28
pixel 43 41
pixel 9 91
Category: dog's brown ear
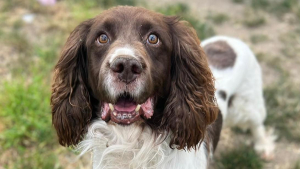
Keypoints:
pixel 191 105
pixel 70 99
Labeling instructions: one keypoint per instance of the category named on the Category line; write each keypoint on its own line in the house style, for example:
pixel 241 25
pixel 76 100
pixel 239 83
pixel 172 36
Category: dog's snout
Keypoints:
pixel 127 69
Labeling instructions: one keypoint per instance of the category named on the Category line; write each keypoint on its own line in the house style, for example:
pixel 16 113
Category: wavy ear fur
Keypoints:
pixel 70 100
pixel 190 107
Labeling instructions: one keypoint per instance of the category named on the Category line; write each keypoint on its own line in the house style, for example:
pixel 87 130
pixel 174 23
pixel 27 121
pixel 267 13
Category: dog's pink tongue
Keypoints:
pixel 125 105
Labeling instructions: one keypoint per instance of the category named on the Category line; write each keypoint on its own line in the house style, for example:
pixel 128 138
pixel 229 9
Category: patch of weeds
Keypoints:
pixel 40 156
pixel 81 12
pixel 17 40
pixel 261 56
pixel 218 18
pixel 25 112
pixel 17 24
pixel 238 1
pixel 273 62
pixel 297 166
pixel 104 3
pixel 284 6
pixel 48 52
pixel 3 19
pixel 291 43
pixel 258 38
pixel 241 158
pixel 278 8
pixel 253 19
pixel 110 3
pixel 297 12
pixel 179 9
pixel 32 5
pixel 21 46
pixel 261 4
pixel 283 107
pixel 276 63
pixel 254 22
pixel 204 30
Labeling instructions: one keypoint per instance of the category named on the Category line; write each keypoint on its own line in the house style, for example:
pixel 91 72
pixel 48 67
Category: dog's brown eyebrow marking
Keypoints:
pixel 220 55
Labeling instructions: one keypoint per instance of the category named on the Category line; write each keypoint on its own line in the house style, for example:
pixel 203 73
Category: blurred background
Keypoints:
pixel 33 32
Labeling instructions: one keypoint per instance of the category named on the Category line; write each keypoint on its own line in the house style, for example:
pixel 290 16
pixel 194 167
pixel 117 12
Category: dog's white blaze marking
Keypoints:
pixel 122 51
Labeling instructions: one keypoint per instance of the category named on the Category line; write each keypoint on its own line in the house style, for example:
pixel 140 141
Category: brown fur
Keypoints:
pixel 190 106
pixel 178 76
pixel 220 55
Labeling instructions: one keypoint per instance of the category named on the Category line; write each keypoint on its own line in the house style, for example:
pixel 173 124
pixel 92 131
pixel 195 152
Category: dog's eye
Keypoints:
pixel 102 38
pixel 152 39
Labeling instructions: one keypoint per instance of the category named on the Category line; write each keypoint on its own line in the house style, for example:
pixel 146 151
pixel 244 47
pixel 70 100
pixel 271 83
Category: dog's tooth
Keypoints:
pixel 111 107
pixel 137 113
pixel 119 116
pixel 137 107
pixel 125 115
pixel 129 116
pixel 115 113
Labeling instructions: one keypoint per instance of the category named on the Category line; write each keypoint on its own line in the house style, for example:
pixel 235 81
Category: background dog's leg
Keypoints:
pixel 263 141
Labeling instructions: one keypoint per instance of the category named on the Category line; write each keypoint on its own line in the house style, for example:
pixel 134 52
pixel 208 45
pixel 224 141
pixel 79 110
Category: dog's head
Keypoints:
pixel 130 64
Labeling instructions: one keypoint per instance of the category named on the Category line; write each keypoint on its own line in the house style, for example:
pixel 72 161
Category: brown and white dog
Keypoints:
pixel 134 87
pixel 239 89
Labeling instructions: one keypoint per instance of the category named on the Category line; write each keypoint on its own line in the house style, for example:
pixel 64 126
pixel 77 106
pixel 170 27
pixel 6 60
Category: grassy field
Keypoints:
pixel 29 51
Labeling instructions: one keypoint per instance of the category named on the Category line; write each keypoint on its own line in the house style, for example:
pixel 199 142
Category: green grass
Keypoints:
pixel 278 8
pixel 297 165
pixel 254 22
pixel 204 30
pixel 258 38
pixel 291 43
pixel 260 3
pixel 22 103
pixel 238 1
pixel 104 3
pixel 31 5
pixel 218 18
pixel 25 113
pixel 241 158
pixel 282 100
pixel 253 19
pixel 17 40
pixel 283 104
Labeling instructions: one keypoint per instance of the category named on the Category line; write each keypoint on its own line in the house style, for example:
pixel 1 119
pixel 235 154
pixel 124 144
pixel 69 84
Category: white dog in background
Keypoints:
pixel 239 89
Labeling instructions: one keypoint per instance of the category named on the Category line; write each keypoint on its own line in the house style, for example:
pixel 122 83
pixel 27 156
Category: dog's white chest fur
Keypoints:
pixel 127 147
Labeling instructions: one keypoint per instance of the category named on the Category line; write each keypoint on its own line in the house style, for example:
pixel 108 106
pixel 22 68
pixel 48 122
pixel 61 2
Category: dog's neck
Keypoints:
pixel 135 146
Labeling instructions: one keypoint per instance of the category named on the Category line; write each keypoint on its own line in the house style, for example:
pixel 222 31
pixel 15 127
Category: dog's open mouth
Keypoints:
pixel 126 110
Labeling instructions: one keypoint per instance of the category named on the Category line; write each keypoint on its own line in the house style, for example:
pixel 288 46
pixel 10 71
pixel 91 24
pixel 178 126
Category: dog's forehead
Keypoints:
pixel 126 16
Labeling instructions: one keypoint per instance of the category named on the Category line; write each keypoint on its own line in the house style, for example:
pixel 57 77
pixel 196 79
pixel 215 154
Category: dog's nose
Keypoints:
pixel 127 69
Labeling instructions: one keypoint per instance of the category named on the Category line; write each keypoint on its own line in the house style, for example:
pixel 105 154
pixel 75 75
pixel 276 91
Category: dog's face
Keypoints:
pixel 129 53
pixel 130 64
